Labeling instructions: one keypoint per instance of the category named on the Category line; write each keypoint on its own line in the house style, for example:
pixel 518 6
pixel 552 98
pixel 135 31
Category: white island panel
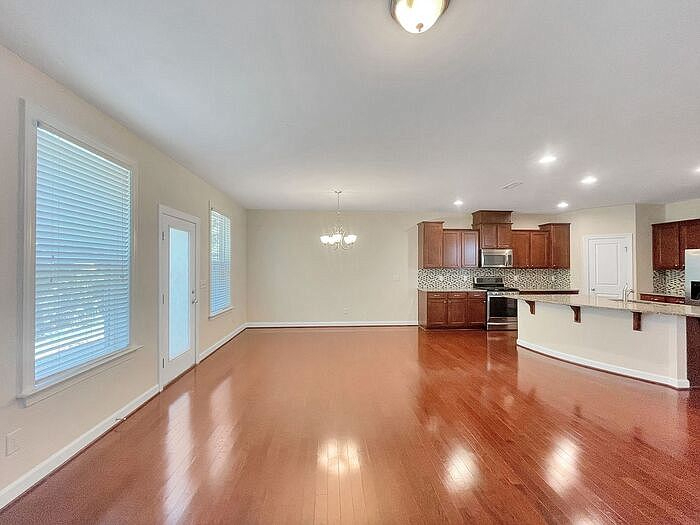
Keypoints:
pixel 604 339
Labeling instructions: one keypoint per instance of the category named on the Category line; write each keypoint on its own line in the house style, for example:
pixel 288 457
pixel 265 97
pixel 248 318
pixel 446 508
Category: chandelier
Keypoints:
pixel 338 238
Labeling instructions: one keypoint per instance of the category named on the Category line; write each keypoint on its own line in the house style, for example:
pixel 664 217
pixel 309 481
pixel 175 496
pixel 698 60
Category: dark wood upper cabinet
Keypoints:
pixel 530 249
pixel 670 240
pixel 430 245
pixel 504 236
pixel 539 249
pixel 451 249
pixel 470 248
pixel 666 246
pixel 689 236
pixel 559 249
pixel 521 248
pixel 494 228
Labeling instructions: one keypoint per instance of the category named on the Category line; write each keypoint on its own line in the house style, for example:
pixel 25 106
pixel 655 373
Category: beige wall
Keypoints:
pixel 594 221
pixel 293 278
pixel 53 423
pixel 680 211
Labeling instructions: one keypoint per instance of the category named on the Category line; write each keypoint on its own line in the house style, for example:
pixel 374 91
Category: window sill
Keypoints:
pixel 222 312
pixel 61 382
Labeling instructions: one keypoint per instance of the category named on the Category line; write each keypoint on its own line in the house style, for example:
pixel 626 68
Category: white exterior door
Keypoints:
pixel 178 296
pixel 609 269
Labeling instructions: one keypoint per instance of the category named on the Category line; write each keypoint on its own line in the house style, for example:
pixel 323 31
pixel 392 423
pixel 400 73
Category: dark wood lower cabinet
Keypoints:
pixel 672 299
pixel 451 309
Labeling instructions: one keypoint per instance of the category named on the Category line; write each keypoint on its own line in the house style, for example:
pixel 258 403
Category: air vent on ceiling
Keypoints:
pixel 512 185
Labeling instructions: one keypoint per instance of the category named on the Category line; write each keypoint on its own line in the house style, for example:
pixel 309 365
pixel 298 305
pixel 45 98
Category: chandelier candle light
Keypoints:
pixel 338 238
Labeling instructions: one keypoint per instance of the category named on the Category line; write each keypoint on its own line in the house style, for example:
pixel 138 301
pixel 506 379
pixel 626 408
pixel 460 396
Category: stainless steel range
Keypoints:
pixel 501 303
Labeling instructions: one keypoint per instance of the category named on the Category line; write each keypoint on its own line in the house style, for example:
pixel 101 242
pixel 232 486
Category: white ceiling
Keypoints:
pixel 278 102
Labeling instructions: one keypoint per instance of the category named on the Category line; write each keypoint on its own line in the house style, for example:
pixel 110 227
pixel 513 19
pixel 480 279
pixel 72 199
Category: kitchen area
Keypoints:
pixel 495 277
pixel 471 278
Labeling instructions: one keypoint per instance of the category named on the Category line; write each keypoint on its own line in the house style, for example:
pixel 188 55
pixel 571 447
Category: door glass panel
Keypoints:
pixel 179 302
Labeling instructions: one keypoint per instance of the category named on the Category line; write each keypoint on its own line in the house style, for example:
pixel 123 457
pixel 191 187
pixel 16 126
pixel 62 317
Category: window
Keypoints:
pixel 82 257
pixel 219 263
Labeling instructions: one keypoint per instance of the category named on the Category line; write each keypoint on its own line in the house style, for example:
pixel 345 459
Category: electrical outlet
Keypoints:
pixel 346 311
pixel 465 278
pixel 441 278
pixel 203 285
pixel 515 277
pixel 12 442
pixel 396 277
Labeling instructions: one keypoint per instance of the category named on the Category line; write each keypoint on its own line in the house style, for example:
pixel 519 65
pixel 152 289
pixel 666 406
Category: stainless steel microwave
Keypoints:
pixel 492 258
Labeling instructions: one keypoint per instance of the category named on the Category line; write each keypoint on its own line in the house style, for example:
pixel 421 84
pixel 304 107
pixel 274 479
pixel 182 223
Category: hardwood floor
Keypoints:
pixel 387 425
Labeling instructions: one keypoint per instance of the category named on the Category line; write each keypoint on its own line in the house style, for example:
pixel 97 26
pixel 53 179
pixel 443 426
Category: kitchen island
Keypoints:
pixel 655 342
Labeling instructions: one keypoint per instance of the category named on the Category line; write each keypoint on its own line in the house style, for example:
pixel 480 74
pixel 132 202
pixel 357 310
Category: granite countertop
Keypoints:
pixel 664 294
pixel 644 307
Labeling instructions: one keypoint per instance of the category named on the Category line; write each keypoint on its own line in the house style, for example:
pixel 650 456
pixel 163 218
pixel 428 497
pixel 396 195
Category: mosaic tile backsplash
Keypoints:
pixel 463 278
pixel 670 282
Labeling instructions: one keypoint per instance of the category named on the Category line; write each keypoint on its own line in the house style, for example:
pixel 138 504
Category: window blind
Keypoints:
pixel 83 256
pixel 220 262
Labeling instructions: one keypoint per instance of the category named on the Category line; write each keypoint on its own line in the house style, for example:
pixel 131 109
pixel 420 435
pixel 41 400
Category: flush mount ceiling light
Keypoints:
pixel 458 202
pixel 589 179
pixel 417 16
pixel 547 159
pixel 697 170
pixel 337 237
pixel 563 204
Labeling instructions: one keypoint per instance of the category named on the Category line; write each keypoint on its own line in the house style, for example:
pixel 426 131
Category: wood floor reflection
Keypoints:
pixel 387 425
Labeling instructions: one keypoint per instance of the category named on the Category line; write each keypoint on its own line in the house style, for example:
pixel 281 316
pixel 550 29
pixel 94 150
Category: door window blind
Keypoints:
pixel 220 263
pixel 83 256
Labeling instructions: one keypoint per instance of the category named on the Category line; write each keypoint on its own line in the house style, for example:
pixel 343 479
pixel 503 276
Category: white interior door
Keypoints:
pixel 609 265
pixel 178 296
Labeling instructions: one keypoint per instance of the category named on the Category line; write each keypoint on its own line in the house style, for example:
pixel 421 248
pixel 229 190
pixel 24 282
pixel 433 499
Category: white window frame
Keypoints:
pixel 230 306
pixel 31 391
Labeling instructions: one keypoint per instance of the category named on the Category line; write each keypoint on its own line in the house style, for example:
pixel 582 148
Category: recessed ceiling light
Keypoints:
pixel 547 159
pixel 417 16
pixel 697 170
pixel 563 204
pixel 458 202
pixel 589 179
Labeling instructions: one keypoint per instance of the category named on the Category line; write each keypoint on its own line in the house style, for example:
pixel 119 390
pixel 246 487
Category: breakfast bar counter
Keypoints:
pixel 655 342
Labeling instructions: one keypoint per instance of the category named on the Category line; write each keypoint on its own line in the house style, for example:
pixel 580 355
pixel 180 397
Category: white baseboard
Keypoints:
pixel 318 324
pixel 46 467
pixel 598 365
pixel 221 342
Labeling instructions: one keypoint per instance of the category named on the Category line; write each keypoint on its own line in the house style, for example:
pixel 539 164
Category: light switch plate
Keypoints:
pixel 12 442
pixel 203 285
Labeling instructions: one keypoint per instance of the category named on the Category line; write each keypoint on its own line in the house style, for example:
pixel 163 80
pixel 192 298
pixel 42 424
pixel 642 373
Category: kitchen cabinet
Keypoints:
pixel 451 249
pixel 670 240
pixel 430 244
pixel 495 235
pixel 460 249
pixel 451 309
pixel 666 246
pixel 476 310
pixel 456 310
pixel 671 299
pixel 530 249
pixel 559 244
pixel 494 228
pixel 470 248
pixel 689 237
